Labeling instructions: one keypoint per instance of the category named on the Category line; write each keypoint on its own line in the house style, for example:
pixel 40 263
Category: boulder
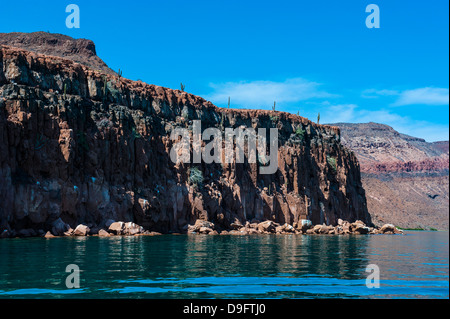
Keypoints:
pixel 199 223
pixel 203 223
pixel 81 230
pixel 387 228
pixel 355 225
pixel 285 228
pixel 132 229
pixel 116 228
pixel 267 226
pixel 325 229
pixel 236 225
pixel 359 227
pixel 205 230
pixel 69 232
pixel 103 233
pixel 48 235
pixel 316 229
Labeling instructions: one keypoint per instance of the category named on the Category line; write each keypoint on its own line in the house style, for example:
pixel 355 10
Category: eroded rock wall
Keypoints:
pixel 86 147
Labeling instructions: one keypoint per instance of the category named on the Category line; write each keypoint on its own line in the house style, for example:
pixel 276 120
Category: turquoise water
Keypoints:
pixel 202 266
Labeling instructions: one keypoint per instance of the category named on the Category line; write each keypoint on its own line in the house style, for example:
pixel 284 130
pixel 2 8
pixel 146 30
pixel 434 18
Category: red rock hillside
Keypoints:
pixel 79 146
pixel 406 178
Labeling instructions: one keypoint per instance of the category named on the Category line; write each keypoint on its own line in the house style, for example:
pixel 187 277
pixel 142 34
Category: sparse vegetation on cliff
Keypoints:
pixel 332 163
pixel 196 176
pixel 300 132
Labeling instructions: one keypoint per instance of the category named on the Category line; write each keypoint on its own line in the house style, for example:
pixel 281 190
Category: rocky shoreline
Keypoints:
pixel 202 227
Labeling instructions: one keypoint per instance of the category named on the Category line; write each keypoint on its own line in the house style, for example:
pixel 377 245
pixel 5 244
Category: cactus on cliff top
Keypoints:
pixel 182 86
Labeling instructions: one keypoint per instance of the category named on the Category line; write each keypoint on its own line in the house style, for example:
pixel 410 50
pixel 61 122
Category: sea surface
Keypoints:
pixel 415 265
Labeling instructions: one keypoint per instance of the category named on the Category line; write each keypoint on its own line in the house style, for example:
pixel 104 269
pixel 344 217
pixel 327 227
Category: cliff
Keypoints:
pixel 54 44
pixel 80 146
pixel 405 178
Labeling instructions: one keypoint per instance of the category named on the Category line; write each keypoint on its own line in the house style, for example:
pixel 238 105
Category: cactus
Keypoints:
pixel 318 118
pixel 182 86
pixel 274 104
pixel 119 73
pixel 228 102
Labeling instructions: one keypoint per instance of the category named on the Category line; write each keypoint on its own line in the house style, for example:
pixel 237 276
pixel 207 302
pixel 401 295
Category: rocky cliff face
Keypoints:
pixel 53 44
pixel 405 178
pixel 85 147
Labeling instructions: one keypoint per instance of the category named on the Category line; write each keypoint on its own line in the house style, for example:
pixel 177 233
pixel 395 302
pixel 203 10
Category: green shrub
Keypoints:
pixel 332 163
pixel 300 132
pixel 196 176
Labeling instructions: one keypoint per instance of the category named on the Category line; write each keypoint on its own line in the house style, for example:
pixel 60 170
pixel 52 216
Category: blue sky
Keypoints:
pixel 309 56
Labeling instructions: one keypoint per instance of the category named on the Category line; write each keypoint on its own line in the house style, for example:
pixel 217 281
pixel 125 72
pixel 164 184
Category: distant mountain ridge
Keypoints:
pixel 406 178
pixel 379 143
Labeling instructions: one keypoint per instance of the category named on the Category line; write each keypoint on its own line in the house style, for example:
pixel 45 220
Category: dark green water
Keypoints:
pixel 258 266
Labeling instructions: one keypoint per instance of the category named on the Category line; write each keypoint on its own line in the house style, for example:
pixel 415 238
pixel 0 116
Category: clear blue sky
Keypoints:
pixel 309 56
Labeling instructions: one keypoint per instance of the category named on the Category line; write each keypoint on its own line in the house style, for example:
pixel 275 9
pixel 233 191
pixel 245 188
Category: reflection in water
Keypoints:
pixel 274 266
